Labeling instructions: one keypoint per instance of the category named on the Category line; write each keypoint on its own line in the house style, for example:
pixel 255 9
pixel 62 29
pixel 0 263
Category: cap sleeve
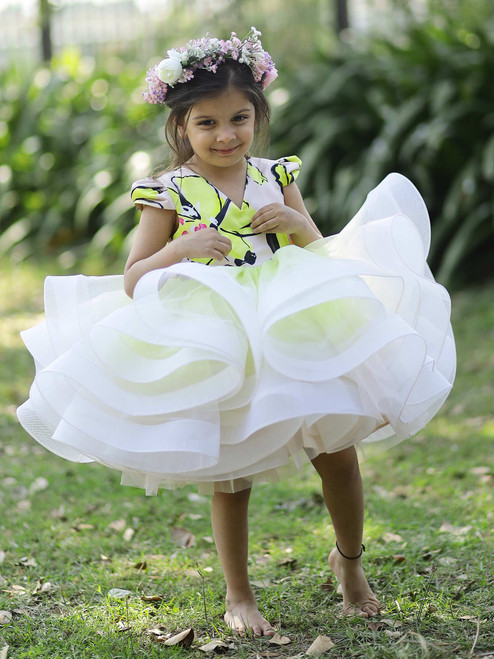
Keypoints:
pixel 151 192
pixel 286 170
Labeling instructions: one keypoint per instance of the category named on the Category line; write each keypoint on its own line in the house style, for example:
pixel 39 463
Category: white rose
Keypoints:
pixel 169 70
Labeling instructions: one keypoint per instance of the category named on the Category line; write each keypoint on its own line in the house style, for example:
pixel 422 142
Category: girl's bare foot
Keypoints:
pixel 358 598
pixel 243 616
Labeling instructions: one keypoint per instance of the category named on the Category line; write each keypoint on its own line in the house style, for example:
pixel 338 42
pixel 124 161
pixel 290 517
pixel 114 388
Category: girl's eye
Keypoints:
pixel 206 122
pixel 240 117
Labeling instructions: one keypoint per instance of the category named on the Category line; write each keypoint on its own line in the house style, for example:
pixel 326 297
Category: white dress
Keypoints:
pixel 223 375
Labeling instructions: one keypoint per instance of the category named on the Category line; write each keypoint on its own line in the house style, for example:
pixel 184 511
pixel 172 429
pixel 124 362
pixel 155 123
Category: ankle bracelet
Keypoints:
pixel 350 558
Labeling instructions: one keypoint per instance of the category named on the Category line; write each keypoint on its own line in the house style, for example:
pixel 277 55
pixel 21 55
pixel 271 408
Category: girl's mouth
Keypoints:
pixel 225 152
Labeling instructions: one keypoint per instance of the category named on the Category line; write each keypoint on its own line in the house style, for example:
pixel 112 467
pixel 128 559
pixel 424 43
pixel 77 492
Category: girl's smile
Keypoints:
pixel 221 130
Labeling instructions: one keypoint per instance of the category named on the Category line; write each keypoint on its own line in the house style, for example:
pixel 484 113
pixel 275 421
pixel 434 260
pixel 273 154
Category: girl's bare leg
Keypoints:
pixel 343 495
pixel 230 530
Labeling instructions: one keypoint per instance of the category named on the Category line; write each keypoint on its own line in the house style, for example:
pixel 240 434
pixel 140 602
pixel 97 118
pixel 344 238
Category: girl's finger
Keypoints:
pixel 269 226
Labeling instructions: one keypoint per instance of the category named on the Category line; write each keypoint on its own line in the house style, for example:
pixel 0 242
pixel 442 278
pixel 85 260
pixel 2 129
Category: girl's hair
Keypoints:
pixel 182 97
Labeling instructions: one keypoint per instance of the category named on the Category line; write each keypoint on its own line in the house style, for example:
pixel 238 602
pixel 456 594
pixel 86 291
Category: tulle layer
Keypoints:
pixel 220 375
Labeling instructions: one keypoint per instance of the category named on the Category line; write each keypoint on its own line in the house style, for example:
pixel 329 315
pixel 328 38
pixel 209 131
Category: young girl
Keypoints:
pixel 246 341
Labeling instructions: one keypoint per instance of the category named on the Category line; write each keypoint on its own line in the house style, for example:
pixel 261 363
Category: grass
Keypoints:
pixel 429 521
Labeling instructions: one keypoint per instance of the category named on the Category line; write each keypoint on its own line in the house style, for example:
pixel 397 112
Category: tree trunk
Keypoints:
pixel 45 23
pixel 341 14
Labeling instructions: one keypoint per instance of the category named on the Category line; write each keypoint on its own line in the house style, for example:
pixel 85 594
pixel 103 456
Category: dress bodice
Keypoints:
pixel 199 204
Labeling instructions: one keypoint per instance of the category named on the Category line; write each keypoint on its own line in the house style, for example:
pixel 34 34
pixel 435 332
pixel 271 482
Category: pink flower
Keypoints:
pixel 271 75
pixel 201 226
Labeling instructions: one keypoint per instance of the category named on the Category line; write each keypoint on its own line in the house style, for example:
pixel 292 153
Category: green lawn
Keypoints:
pixel 69 534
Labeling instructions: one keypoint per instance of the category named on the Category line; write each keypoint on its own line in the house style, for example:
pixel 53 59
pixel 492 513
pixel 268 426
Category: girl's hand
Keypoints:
pixel 278 218
pixel 205 243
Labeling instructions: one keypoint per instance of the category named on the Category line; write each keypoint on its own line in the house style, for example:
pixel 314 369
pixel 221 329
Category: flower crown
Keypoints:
pixel 208 54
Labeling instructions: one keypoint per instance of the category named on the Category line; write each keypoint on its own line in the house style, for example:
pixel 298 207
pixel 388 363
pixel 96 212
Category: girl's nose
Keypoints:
pixel 225 134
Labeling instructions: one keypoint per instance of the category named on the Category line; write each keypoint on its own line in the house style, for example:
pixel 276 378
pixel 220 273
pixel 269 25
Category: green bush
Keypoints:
pixel 68 139
pixel 422 106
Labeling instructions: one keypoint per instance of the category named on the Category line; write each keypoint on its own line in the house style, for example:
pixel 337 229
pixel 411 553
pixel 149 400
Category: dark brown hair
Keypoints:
pixel 182 97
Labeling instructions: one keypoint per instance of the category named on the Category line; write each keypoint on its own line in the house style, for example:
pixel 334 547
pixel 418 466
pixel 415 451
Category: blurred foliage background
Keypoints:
pixel 408 89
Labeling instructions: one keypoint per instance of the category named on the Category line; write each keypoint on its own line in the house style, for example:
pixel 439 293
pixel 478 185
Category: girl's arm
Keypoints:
pixel 291 217
pixel 152 248
pixel 308 233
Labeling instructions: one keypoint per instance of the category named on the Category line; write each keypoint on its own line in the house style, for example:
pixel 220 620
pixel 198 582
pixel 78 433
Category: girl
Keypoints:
pixel 250 342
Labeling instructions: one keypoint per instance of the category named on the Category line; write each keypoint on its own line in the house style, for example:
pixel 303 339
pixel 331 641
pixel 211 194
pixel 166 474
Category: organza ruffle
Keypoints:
pixel 221 375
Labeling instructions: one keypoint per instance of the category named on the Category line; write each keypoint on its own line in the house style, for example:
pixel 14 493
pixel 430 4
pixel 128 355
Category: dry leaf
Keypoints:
pixel 2 556
pixel 123 626
pixel 142 565
pixel 156 631
pixel 119 593
pixel 321 645
pixel 183 537
pixel 152 598
pixel 38 485
pixel 288 562
pixel 217 646
pixel 26 562
pixel 328 585
pixel 261 583
pixel 5 617
pixel 105 559
pixel 208 539
pixel 183 639
pixel 398 558
pixel 3 652
pixel 118 525
pixel 128 534
pixel 82 527
pixel 280 640
pixel 42 587
pixel 376 626
pixel 480 471
pixel 392 537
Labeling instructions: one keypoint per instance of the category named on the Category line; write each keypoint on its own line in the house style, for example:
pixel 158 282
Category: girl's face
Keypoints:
pixel 221 130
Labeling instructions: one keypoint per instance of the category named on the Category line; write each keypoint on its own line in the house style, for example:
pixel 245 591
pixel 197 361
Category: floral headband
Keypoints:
pixel 208 54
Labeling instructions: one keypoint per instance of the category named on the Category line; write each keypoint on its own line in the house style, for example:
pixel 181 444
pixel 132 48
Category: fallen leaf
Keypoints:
pixel 447 560
pixel 376 626
pixel 261 583
pixel 152 598
pixel 183 639
pixel 42 587
pixel 16 590
pixel 216 645
pixel 5 617
pixel 399 558
pixel 194 516
pixel 392 634
pixel 26 562
pixel 480 471
pixel 141 565
pixel 105 559
pixel 392 537
pixel 183 537
pixel 3 652
pixel 128 534
pixel 119 593
pixel 280 640
pixel 38 485
pixel 81 526
pixel 328 585
pixel 156 631
pixel 268 654
pixel 290 563
pixel 321 645
pixel 209 539
pixel 117 525
pixel 2 556
pixel 123 626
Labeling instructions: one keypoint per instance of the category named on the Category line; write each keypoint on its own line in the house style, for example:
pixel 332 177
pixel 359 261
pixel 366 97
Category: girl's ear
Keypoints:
pixel 181 131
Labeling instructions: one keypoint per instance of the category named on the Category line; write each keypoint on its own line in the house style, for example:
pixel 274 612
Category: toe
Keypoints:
pixel 256 630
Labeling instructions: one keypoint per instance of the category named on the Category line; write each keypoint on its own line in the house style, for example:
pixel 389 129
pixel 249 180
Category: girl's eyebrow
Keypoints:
pixel 208 116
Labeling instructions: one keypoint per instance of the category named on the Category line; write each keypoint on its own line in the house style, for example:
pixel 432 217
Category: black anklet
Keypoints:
pixel 350 558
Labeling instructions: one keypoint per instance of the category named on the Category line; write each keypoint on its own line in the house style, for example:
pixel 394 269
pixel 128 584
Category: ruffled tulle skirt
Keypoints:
pixel 222 375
